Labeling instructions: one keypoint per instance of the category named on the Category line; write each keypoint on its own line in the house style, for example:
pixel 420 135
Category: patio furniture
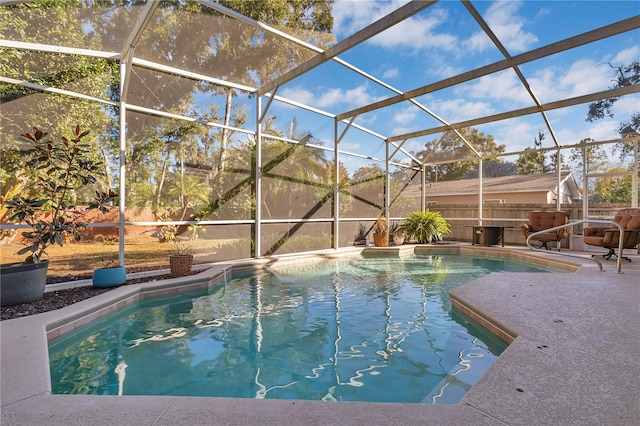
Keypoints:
pixel 540 221
pixel 609 237
pixel 488 235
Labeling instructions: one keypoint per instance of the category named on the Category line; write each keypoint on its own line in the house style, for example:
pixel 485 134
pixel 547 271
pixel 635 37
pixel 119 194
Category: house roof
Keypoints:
pixel 497 185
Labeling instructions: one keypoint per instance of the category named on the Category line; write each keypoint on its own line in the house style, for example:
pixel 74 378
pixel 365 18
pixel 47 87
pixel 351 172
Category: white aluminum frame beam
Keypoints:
pixel 550 49
pixel 129 46
pixel 620 91
pixel 48 48
pixel 361 36
pixel 496 41
pixel 322 53
pixel 49 89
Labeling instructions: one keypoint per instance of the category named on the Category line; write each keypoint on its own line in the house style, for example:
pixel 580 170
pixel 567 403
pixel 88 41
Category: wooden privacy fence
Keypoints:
pixel 463 216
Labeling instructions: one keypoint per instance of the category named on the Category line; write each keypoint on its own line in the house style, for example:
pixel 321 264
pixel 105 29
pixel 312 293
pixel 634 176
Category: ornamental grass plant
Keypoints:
pixel 425 227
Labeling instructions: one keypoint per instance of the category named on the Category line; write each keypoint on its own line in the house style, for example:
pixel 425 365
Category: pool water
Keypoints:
pixel 369 329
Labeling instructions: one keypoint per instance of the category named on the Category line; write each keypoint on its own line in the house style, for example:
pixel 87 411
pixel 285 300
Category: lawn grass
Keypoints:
pixel 83 256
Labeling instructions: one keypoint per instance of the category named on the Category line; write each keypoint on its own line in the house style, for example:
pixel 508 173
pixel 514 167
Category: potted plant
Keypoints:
pixel 425 227
pixel 360 239
pixel 180 257
pixel 396 233
pixel 110 275
pixel 180 260
pixel 58 169
pixel 381 231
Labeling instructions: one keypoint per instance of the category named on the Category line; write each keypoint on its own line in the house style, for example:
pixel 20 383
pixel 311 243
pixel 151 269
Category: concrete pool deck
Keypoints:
pixel 575 361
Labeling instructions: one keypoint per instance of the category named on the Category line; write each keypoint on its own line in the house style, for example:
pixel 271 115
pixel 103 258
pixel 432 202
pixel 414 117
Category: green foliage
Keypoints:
pixel 60 169
pixel 596 157
pixel 236 249
pixel 612 189
pixel 362 233
pixel 626 75
pixel 492 168
pixel 451 147
pixel 425 226
pixel 180 248
pixel 533 161
pixel 395 229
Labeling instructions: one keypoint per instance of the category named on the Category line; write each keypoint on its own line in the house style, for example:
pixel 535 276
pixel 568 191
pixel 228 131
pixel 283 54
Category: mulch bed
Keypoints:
pixel 60 298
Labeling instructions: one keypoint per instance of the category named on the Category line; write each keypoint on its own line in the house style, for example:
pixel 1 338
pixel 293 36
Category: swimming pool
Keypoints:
pixel 371 329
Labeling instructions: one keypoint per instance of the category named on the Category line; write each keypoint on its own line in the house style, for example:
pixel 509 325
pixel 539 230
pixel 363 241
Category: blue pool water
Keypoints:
pixel 370 329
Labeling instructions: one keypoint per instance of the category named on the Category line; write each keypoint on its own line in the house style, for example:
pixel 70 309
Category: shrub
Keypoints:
pixel 425 227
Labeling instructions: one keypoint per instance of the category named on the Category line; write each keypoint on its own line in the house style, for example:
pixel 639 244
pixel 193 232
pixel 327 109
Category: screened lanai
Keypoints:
pixel 248 129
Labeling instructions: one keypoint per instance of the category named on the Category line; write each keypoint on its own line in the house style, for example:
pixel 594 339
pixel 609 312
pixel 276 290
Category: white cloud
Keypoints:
pixel 503 86
pixel 407 115
pixel 443 70
pixel 367 120
pixel 391 73
pixel 507 25
pixel 414 145
pixel 350 146
pixel 568 136
pixel 351 16
pixel 626 106
pixel 478 42
pixel 454 110
pixel 516 134
pixel 584 76
pixel 418 33
pixel 415 33
pixel 627 56
pixel 603 130
pixel 327 98
pixel 401 130
pixel 298 94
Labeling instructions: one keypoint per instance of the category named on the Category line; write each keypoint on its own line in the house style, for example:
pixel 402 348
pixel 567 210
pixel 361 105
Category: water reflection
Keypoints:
pixel 373 330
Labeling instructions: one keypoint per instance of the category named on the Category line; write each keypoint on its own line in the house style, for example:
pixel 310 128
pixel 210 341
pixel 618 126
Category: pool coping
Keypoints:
pixel 512 392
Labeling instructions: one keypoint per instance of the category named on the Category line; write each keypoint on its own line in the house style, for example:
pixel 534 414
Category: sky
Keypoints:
pixel 443 41
pixel 440 42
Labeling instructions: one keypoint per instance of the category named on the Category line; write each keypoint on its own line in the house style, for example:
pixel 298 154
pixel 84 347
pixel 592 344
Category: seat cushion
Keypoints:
pixel 548 236
pixel 608 237
pixel 593 240
pixel 540 221
pixel 628 218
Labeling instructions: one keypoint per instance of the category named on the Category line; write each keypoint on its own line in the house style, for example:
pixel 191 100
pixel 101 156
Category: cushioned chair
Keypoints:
pixel 540 221
pixel 609 236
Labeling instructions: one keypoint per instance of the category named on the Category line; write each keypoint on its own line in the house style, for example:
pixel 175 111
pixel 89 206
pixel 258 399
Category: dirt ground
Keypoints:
pixel 61 298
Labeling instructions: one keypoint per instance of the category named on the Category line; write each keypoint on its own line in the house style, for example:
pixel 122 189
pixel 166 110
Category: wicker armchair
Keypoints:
pixel 609 237
pixel 540 221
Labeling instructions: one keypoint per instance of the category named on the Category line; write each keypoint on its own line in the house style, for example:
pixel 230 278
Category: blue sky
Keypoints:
pixel 443 41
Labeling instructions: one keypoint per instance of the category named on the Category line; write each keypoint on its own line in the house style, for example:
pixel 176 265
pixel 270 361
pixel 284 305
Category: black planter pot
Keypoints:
pixel 22 282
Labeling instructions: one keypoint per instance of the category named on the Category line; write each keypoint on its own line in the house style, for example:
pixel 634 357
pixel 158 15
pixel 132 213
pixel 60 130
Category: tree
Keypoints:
pixel 23 107
pixel 294 175
pixel 197 38
pixel 596 158
pixel 237 47
pixel 161 153
pixel 451 147
pixel 626 75
pixel 532 160
pixel 493 168
pixel 612 189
